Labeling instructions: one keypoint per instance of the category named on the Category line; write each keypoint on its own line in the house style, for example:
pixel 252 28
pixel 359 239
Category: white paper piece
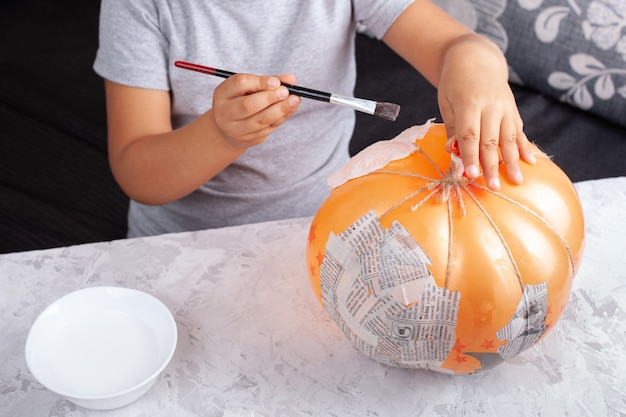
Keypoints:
pixel 527 324
pixel 377 287
pixel 379 154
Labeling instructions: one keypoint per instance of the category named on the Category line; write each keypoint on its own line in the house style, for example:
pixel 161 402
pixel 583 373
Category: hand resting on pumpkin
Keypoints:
pixel 471 74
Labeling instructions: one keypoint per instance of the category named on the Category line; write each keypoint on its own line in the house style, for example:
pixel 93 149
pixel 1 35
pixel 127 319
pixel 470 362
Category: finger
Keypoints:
pixel 510 152
pixel 452 147
pixel 244 107
pixel 245 115
pixel 294 103
pixel 241 95
pixel 450 144
pixel 264 122
pixel 467 129
pixel 280 111
pixel 489 155
pixel 242 84
pixel 287 78
pixel 276 114
pixel 525 149
pixel 447 114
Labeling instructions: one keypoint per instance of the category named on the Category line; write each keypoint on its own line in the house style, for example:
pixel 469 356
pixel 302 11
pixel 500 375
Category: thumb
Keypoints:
pixel 287 78
pixel 447 114
pixel 452 146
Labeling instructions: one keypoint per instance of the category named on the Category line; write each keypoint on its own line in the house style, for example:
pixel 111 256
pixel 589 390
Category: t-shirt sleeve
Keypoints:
pixel 132 47
pixel 378 15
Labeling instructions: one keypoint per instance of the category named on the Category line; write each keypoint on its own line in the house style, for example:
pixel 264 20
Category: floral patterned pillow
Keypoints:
pixel 573 50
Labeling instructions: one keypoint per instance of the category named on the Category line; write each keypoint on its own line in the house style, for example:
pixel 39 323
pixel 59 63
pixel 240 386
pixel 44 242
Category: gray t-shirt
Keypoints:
pixel 286 175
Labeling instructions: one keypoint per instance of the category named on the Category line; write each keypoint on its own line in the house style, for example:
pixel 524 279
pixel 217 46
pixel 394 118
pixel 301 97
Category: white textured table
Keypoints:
pixel 253 340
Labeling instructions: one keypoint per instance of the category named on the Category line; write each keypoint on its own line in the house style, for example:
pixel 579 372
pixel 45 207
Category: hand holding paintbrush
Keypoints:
pixel 387 111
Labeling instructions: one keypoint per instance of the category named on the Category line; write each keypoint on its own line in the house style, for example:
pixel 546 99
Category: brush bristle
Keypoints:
pixel 387 111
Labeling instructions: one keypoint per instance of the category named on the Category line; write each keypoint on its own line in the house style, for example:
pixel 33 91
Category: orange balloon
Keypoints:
pixel 424 269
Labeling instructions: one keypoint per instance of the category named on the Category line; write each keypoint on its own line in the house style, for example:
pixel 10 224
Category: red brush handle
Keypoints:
pixel 293 89
pixel 203 69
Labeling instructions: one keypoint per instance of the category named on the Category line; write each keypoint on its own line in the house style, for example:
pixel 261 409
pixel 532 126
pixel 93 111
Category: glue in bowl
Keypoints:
pixel 101 347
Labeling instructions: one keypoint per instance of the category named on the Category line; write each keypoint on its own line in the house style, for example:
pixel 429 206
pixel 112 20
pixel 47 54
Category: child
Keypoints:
pixel 194 151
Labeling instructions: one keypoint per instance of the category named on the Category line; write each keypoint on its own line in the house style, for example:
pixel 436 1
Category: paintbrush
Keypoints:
pixel 387 111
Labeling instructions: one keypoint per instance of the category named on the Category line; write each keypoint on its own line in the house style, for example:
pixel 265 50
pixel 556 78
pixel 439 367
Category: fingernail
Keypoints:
pixel 452 146
pixel 494 183
pixel 283 92
pixel 471 171
pixel 294 100
pixel 273 82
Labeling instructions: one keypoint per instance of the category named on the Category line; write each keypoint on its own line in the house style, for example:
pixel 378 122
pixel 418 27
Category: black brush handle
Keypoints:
pixel 293 89
pixel 307 92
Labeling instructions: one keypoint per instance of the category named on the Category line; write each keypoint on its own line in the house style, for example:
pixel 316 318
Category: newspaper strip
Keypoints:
pixel 377 287
pixel 527 325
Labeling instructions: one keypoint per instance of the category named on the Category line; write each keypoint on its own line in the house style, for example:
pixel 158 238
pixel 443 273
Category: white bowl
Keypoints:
pixel 101 347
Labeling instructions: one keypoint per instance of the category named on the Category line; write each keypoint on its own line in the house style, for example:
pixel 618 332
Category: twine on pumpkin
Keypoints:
pixel 532 213
pixel 496 229
pixel 451 184
pixel 446 182
pixel 536 215
pixel 445 187
pixel 450 238
pixel 414 193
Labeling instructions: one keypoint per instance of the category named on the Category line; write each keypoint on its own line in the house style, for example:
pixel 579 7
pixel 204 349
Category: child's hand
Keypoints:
pixel 479 111
pixel 247 108
pixel 475 100
pixel 156 164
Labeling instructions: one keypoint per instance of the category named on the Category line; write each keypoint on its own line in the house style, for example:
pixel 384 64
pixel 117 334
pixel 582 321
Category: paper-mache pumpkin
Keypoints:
pixel 422 268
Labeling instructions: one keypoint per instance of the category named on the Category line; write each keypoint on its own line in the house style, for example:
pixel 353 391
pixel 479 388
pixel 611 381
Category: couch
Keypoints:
pixel 56 188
